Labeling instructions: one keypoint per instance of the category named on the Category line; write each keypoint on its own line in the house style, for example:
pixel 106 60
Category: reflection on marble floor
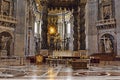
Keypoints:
pixel 60 72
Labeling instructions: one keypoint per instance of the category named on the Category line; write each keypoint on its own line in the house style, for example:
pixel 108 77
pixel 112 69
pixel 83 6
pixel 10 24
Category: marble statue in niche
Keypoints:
pixel 106 12
pixel 105 8
pixel 5 45
pixel 108 46
pixel 102 46
pixel 4 41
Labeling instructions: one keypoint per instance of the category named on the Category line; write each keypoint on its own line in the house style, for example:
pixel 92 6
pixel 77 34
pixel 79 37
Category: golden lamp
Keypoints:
pixel 52 30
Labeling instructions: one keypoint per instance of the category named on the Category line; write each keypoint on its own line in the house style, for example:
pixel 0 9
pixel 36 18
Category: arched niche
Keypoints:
pixel 6 43
pixel 107 43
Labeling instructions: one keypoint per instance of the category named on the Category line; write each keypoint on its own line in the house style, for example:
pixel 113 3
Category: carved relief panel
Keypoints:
pixel 7 7
pixel 106 12
pixel 105 9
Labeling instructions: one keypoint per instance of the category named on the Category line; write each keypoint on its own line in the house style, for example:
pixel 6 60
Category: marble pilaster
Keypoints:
pixel 75 30
pixel 82 28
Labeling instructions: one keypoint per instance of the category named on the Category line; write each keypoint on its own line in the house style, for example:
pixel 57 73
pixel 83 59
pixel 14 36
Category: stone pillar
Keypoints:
pixel 44 43
pixel 20 30
pixel 82 28
pixel 75 30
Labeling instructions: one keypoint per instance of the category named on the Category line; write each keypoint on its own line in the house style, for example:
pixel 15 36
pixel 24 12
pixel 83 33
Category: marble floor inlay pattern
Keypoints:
pixel 60 72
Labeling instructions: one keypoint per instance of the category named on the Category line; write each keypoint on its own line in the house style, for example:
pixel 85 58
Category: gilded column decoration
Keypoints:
pixel 75 29
pixel 44 43
pixel 82 28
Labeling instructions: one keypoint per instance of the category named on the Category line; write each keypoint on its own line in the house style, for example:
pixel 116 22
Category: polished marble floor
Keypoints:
pixel 60 72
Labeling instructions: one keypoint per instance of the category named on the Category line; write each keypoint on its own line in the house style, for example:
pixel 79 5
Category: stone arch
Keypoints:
pixel 6 44
pixel 11 32
pixel 107 32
